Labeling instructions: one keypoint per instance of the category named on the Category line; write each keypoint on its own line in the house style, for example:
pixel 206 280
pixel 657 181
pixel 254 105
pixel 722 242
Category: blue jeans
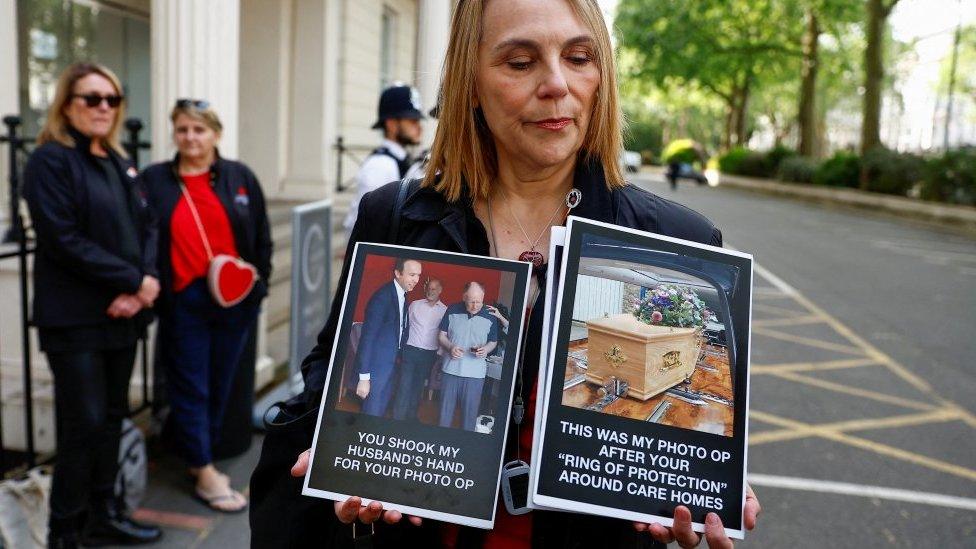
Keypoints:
pixel 204 343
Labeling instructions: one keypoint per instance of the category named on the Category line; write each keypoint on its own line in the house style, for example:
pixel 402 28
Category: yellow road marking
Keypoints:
pixel 774 310
pixel 767 293
pixel 813 366
pixel 869 445
pixel 935 416
pixel 897 368
pixel 862 393
pixel 871 350
pixel 775 334
pixel 797 321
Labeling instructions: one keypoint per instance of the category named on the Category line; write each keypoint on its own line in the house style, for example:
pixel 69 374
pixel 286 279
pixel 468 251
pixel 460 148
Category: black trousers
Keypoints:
pixel 90 398
pixel 415 366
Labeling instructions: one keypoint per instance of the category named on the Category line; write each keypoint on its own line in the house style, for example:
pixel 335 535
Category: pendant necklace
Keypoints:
pixel 532 256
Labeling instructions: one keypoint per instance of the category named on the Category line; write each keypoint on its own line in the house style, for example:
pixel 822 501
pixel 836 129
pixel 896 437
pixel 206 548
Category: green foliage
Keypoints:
pixel 774 158
pixel 729 162
pixel 742 161
pixel 643 135
pixel 680 150
pixel 951 177
pixel 727 49
pixel 797 169
pixel 891 172
pixel 841 170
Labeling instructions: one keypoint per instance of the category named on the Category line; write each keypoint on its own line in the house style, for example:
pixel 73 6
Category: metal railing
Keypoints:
pixel 343 151
pixel 18 149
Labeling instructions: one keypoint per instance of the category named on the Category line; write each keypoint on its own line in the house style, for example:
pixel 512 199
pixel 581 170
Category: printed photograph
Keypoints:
pixel 649 337
pixel 428 342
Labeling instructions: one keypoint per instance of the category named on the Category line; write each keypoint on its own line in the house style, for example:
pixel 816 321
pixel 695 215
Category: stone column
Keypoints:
pixel 9 95
pixel 195 52
pixel 314 100
pixel 432 34
pixel 265 87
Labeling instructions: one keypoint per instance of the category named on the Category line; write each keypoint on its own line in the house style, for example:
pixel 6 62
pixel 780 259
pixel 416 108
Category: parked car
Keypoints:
pixel 630 161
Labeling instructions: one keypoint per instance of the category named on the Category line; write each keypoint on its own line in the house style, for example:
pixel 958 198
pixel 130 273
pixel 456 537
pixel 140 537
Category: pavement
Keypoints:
pixel 186 522
pixel 862 412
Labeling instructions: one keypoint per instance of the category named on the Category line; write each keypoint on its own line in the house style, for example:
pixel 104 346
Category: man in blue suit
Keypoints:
pixel 385 332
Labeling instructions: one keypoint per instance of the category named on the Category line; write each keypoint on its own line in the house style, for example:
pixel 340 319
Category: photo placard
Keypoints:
pixel 646 379
pixel 419 389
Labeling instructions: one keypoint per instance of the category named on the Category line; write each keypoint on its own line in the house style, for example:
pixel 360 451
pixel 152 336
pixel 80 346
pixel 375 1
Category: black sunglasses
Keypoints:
pixel 199 104
pixel 93 100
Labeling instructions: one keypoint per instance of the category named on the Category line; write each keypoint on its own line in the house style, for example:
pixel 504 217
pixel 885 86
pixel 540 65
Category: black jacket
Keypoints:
pixel 429 221
pixel 78 267
pixel 239 192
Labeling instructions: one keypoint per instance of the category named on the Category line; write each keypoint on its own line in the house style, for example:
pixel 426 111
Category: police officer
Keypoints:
pixel 399 118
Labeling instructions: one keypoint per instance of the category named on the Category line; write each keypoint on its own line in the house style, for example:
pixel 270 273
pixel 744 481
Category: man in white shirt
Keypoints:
pixel 399 118
pixel 424 318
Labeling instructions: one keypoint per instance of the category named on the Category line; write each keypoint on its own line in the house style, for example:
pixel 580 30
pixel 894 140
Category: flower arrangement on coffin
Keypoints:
pixel 673 306
pixel 652 347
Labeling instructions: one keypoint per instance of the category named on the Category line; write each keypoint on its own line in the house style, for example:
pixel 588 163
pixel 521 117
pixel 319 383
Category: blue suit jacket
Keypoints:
pixel 378 345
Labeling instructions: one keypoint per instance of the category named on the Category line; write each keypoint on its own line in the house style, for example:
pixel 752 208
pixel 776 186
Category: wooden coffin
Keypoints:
pixel 651 359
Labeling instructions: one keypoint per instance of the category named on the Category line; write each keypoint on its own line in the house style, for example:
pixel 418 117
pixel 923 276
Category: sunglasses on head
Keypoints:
pixel 199 104
pixel 93 100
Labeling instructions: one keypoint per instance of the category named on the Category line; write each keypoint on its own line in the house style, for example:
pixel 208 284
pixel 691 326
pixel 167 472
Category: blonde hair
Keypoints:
pixel 208 116
pixel 56 126
pixel 464 152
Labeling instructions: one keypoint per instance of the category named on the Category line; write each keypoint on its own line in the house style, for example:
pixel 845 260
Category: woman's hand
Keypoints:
pixel 148 291
pixel 352 509
pixel 124 306
pixel 714 531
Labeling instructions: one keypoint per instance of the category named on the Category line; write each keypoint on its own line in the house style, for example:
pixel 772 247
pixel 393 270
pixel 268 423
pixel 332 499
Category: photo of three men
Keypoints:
pixel 427 328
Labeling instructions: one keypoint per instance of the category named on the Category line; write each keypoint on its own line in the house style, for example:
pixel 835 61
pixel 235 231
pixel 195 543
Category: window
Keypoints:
pixel 388 28
pixel 55 33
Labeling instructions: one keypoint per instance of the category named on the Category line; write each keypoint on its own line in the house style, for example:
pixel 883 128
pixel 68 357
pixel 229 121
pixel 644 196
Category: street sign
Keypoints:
pixel 311 278
pixel 311 283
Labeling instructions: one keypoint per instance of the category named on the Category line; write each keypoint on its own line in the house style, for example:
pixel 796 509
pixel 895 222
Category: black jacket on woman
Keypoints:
pixel 281 517
pixel 78 266
pixel 239 192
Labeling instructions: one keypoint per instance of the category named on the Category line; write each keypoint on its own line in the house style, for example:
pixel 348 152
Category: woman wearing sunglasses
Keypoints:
pixel 213 228
pixel 94 281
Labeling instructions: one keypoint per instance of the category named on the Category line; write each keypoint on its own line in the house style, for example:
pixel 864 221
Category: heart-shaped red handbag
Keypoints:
pixel 230 279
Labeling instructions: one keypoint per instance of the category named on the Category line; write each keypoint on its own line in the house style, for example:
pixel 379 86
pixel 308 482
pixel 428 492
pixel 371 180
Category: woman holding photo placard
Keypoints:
pixel 529 129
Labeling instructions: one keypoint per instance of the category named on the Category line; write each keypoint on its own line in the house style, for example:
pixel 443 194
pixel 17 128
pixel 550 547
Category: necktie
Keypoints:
pixel 404 324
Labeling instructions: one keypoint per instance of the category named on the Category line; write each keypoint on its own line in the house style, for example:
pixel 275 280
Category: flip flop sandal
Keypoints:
pixel 210 501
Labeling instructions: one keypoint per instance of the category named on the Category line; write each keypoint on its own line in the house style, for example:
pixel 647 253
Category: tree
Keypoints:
pixel 957 78
pixel 806 113
pixel 729 48
pixel 877 16
pixel 831 17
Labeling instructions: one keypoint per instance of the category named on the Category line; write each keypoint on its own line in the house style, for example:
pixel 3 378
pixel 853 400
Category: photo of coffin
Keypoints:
pixel 636 359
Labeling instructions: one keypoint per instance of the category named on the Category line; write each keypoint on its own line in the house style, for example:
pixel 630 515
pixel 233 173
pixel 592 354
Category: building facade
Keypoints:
pixel 287 77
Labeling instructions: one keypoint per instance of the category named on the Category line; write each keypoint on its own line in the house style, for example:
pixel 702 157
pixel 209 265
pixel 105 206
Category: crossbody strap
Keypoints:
pixel 401 197
pixel 196 218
